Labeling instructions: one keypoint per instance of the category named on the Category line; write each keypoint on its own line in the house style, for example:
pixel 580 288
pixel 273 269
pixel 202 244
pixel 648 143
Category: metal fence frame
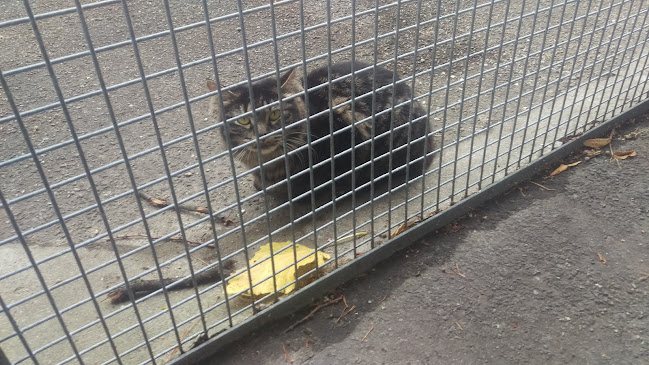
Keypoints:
pixel 488 183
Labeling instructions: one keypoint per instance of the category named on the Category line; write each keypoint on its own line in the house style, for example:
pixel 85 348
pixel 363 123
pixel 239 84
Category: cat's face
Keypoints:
pixel 267 120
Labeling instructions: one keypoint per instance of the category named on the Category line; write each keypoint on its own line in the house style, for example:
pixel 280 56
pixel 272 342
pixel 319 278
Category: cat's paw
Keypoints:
pixel 257 182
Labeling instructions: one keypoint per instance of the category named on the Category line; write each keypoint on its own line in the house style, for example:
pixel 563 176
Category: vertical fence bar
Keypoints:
pixel 262 179
pixel 373 128
pixel 309 139
pixel 446 96
pixel 572 69
pixel 590 76
pixel 491 107
pixel 617 56
pixel 412 107
pixel 581 71
pixel 642 52
pixel 190 119
pixel 287 169
pixel 522 82
pixel 430 95
pixel 223 118
pixel 353 127
pixel 477 100
pixel 626 74
pixel 507 89
pixel 395 58
pixel 332 147
pixel 545 90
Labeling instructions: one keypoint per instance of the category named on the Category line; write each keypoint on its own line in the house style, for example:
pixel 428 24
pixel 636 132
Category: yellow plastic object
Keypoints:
pixel 261 274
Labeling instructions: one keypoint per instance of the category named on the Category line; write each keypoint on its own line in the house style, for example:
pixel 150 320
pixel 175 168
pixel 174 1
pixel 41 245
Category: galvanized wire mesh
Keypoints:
pixel 104 104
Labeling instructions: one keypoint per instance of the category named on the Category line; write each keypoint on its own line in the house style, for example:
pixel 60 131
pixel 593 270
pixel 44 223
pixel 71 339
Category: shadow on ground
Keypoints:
pixel 555 273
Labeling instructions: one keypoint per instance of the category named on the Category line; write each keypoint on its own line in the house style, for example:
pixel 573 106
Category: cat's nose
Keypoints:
pixel 262 129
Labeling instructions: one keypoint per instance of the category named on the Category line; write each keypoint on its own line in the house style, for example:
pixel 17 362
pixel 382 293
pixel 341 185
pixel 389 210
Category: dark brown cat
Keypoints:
pixel 408 123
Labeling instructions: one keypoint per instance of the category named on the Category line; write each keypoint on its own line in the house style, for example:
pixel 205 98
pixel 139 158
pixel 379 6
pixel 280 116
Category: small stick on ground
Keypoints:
pixel 542 187
pixel 613 155
pixel 644 278
pixel 161 203
pixel 458 326
pixel 141 287
pixel 134 236
pixel 182 338
pixel 381 301
pixel 367 334
pixel 520 190
pixel 600 256
pixel 457 271
pixel 313 312
pixel 344 313
pixel 287 357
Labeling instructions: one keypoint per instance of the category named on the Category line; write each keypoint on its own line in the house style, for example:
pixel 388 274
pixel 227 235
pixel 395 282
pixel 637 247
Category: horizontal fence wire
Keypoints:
pixel 134 208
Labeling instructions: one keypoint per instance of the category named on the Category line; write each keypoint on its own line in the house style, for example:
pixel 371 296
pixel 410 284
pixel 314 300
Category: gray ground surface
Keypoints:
pixel 533 288
pixel 541 69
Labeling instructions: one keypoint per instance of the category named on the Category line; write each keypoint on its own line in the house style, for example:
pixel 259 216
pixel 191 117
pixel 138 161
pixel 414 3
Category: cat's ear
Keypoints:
pixel 288 77
pixel 211 85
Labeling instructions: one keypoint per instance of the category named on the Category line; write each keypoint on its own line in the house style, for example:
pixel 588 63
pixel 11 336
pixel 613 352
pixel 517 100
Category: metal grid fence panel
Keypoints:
pixel 114 171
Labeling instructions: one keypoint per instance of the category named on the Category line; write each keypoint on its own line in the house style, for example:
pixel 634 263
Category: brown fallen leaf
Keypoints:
pixel 592 153
pixel 632 135
pixel 203 210
pixel 404 227
pixel 158 203
pixel 563 168
pixel 600 256
pixel 599 142
pixel 623 155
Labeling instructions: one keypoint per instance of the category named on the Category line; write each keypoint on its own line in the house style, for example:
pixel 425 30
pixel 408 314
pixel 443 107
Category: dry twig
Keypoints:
pixel 381 301
pixel 161 203
pixel 313 312
pixel 644 278
pixel 367 334
pixel 134 236
pixel 542 187
pixel 600 256
pixel 458 326
pixel 344 313
pixel 141 287
pixel 287 357
pixel 182 338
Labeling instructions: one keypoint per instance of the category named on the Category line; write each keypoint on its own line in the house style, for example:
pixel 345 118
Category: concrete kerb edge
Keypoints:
pixel 363 263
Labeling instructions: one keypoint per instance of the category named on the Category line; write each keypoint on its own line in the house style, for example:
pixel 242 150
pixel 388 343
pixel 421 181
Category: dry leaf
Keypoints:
pixel 599 142
pixel 592 153
pixel 404 227
pixel 158 202
pixel 563 168
pixel 202 210
pixel 632 135
pixel 262 274
pixel 624 155
pixel 600 256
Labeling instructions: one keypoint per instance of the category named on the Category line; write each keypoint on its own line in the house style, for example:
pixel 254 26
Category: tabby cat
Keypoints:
pixel 267 123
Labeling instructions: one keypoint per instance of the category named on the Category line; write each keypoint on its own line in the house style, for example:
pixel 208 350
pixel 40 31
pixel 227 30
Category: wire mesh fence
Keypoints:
pixel 135 215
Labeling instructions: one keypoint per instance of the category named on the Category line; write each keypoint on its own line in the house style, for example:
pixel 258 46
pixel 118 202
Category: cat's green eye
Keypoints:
pixel 243 121
pixel 274 115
